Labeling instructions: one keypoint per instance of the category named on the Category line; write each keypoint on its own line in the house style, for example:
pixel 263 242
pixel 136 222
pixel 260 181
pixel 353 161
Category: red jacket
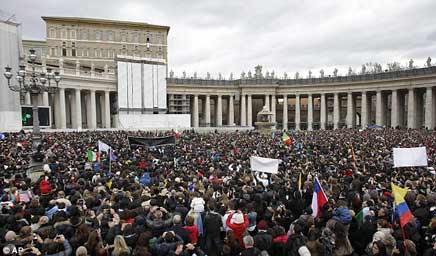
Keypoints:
pixel 44 187
pixel 238 229
pixel 193 233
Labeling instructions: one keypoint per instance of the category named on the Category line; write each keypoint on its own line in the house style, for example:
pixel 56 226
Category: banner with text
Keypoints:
pixel 152 141
pixel 408 157
pixel 262 164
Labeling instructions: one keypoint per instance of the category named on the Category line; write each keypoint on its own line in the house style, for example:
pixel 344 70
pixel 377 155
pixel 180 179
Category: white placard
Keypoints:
pixel 408 157
pixel 262 164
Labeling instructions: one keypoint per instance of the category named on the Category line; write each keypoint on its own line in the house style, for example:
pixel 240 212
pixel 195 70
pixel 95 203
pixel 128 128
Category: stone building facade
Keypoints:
pixel 85 52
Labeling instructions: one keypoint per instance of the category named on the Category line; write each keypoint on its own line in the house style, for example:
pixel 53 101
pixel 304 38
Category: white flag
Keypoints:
pixel 262 164
pixel 103 147
pixel 406 157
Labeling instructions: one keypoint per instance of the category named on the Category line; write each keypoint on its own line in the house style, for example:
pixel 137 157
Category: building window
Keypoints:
pixel 135 38
pixel 98 35
pixel 52 52
pixel 147 43
pixel 110 36
pixel 73 34
pixel 85 52
pixel 63 34
pixel 73 49
pixel 84 35
pixel 52 33
pixel 64 49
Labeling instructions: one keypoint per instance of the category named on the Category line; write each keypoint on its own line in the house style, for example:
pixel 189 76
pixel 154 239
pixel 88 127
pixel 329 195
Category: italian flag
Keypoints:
pixel 93 156
pixel 286 139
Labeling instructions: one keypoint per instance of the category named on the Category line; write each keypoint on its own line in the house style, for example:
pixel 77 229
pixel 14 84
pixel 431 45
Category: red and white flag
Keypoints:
pixel 319 199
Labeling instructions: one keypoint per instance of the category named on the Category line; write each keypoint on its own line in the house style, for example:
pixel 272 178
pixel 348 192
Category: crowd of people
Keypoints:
pixel 200 197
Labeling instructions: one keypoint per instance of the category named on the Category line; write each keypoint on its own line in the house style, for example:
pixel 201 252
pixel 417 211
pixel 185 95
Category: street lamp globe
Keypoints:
pixel 32 55
pixel 8 73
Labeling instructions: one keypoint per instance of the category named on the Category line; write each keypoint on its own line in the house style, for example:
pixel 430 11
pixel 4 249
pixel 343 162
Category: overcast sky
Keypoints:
pixel 285 36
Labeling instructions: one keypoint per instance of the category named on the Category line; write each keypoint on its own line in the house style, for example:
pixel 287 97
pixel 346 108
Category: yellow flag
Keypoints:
pixel 299 182
pixel 399 193
pixel 109 184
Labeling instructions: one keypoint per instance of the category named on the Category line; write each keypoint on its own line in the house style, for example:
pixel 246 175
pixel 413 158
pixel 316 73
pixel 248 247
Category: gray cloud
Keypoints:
pixel 234 35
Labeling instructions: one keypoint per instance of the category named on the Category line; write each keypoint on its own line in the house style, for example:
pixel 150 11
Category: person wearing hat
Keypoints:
pixel 238 222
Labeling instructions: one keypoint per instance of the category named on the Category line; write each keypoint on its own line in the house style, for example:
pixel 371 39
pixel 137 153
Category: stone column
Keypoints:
pixel 243 111
pixel 267 102
pixel 429 102
pixel 297 112
pixel 207 110
pixel 107 110
pixel 411 109
pixel 195 119
pixel 273 108
pixel 310 112
pixel 285 112
pixel 77 68
pixel 231 111
pixel 350 110
pixel 379 109
pixel 27 99
pixel 45 99
pixel 323 110
pixel 336 110
pixel 77 122
pixel 219 106
pixel 394 108
pixel 62 121
pixel 249 110
pixel 364 111
pixel 92 113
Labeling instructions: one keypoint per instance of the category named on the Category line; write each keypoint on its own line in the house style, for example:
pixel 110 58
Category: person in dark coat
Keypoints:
pixel 263 239
pixel 179 230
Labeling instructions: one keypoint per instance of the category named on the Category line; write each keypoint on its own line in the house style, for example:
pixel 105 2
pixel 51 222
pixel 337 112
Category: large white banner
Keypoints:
pixel 407 157
pixel 262 164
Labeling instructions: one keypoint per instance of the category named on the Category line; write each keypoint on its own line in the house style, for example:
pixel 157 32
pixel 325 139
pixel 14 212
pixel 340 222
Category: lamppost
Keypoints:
pixel 35 84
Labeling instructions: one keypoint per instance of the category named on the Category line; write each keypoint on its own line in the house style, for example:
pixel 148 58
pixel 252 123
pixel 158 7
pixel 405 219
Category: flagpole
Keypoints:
pixel 110 160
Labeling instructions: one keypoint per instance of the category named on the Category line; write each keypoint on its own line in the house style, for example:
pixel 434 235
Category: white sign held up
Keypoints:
pixel 262 164
pixel 409 157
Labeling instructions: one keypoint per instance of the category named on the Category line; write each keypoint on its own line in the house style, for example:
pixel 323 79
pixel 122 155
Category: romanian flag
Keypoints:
pixel 403 210
pixel 93 156
pixel 286 139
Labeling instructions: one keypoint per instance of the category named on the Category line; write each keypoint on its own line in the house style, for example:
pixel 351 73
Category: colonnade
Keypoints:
pixel 76 108
pixel 408 108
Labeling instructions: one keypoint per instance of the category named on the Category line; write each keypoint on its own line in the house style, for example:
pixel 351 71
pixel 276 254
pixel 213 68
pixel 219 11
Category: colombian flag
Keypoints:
pixel 403 210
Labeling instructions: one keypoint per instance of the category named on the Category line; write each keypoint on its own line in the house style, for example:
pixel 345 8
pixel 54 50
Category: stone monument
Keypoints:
pixel 264 123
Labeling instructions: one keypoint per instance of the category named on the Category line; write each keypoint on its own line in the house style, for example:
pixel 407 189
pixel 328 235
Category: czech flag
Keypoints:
pixel 403 210
pixel 319 199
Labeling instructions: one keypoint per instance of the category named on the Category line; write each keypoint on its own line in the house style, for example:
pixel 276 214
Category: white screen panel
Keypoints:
pixel 162 82
pixel 148 87
pixel 136 86
pixel 122 85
